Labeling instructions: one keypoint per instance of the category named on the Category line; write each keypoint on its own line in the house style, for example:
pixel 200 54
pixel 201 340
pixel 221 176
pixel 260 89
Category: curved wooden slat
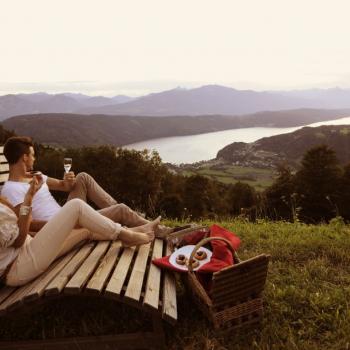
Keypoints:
pixel 169 309
pixel 57 285
pixel 116 282
pixel 5 292
pixel 4 167
pixel 38 290
pixel 17 298
pixel 133 290
pixel 98 280
pixel 84 272
pixel 152 291
pixel 3 177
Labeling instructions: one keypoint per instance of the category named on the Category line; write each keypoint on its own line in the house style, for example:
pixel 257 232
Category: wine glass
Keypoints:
pixel 67 163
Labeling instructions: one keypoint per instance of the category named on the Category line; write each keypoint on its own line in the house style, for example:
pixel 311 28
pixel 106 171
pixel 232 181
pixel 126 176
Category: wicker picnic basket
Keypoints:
pixel 235 297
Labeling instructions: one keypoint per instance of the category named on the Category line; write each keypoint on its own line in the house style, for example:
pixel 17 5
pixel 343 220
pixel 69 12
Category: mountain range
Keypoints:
pixel 21 104
pixel 205 100
pixel 85 130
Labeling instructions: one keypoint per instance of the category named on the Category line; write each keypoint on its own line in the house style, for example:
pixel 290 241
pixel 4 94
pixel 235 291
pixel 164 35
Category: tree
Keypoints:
pixel 317 184
pixel 344 198
pixel 279 197
pixel 241 196
pixel 5 134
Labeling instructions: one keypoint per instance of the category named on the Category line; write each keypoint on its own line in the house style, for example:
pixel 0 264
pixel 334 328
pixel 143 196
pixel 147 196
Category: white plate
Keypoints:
pixel 187 250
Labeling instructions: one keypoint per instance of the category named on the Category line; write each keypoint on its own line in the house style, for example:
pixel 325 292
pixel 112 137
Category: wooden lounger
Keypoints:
pixel 107 271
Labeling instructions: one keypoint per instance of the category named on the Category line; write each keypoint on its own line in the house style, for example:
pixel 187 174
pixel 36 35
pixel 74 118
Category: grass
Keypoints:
pixel 306 297
pixel 259 178
pixel 307 293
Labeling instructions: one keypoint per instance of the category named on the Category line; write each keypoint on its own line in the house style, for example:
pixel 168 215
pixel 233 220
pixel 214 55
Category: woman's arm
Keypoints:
pixel 24 220
pixel 25 213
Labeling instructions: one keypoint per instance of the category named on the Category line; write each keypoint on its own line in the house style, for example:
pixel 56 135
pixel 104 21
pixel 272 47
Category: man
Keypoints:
pixel 20 154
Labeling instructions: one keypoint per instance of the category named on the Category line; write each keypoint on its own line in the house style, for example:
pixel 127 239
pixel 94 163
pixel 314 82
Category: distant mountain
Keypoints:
pixel 210 99
pixel 81 130
pixel 288 148
pixel 332 98
pixel 205 100
pixel 21 104
pixel 14 105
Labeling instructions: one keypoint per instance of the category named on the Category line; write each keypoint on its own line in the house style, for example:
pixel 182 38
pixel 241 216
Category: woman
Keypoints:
pixel 22 258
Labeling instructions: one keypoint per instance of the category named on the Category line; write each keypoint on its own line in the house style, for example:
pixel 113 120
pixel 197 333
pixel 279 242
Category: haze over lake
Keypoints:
pixel 194 148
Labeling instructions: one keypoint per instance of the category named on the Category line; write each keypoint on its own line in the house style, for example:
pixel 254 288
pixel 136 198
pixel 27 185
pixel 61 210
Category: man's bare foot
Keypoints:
pixel 129 237
pixel 150 226
pixel 163 231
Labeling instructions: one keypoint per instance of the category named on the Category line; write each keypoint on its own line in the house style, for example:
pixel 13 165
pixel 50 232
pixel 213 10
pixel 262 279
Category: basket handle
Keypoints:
pixel 205 241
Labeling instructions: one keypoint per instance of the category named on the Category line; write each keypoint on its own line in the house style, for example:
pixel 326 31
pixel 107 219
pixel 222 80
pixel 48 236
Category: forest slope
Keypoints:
pixel 82 130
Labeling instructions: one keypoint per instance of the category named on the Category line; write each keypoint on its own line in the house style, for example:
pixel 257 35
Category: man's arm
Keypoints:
pixel 65 185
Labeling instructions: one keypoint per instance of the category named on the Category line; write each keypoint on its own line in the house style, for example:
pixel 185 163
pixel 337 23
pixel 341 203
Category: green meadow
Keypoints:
pixel 259 178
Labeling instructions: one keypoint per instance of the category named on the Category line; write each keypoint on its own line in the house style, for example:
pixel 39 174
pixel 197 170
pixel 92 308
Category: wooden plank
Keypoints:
pixel 4 167
pixel 57 285
pixel 152 291
pixel 5 292
pixel 169 311
pixel 133 290
pixel 39 288
pixel 3 177
pixel 98 280
pixel 84 272
pixel 116 282
pixel 2 159
pixel 16 298
pixel 1 149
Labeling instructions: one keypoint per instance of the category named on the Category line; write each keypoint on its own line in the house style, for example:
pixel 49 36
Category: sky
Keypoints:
pixel 135 47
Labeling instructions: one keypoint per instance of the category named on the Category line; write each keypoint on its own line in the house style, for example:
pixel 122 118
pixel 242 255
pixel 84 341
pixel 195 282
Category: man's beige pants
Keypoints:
pixel 86 188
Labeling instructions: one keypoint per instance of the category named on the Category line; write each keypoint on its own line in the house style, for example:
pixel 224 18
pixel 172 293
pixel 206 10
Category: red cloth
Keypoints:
pixel 222 256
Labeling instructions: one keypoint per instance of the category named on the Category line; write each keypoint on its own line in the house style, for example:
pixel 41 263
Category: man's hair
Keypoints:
pixel 16 146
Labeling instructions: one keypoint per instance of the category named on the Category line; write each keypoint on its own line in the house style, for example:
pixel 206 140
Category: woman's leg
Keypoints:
pixel 37 253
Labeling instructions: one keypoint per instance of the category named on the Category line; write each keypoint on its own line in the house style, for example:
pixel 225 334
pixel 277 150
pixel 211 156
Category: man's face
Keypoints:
pixel 29 159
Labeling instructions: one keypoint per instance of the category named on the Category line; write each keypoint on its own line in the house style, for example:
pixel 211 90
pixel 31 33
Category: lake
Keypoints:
pixel 194 148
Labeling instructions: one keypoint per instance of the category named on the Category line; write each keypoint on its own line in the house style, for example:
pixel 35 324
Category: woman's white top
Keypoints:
pixel 9 231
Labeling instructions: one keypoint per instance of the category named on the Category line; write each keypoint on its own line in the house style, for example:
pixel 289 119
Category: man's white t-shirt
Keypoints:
pixel 44 206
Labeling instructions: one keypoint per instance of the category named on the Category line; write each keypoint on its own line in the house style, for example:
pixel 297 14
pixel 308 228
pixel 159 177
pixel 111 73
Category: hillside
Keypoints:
pixel 270 151
pixel 81 130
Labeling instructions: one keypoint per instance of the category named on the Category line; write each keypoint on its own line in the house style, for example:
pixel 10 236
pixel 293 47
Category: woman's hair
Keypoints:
pixel 16 146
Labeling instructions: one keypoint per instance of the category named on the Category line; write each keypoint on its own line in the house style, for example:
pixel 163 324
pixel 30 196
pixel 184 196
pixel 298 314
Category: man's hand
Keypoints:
pixel 69 181
pixel 34 185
